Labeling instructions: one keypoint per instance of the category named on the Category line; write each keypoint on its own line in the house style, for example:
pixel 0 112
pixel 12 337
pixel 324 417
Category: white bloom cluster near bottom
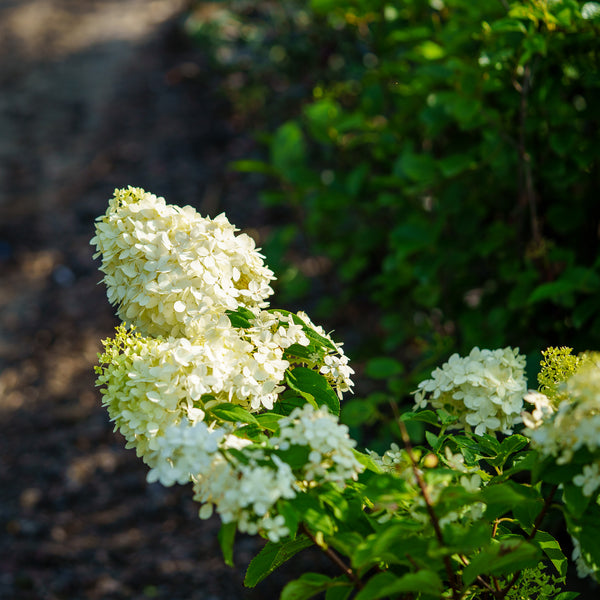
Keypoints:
pixel 247 491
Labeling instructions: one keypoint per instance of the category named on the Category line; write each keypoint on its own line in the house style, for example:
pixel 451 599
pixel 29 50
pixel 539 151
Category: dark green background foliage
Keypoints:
pixel 447 165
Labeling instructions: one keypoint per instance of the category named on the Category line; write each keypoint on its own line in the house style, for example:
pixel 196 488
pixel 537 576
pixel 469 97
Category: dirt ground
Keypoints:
pixel 97 94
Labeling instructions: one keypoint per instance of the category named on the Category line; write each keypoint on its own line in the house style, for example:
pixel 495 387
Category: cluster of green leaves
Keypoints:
pixel 446 164
pixel 391 541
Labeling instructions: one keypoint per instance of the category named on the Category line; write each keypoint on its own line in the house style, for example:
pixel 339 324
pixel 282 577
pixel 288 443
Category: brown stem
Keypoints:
pixel 428 504
pixel 335 559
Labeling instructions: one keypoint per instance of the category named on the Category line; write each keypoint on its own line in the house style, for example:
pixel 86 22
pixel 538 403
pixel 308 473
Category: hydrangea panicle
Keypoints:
pixel 246 493
pixel 484 390
pixel 576 422
pixel 165 266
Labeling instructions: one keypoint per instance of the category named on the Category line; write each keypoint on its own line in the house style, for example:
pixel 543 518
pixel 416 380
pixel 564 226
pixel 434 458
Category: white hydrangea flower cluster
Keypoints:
pixel 331 455
pixel 574 425
pixel 166 266
pixel 246 493
pixel 195 295
pixel 484 390
pixel 182 451
pixel 152 383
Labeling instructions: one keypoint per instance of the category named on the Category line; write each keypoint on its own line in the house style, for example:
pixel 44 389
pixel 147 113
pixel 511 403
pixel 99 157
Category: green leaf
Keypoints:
pixel 366 461
pixel 233 413
pixel 572 280
pixel 388 584
pixel 433 440
pixel 306 586
pixel 509 446
pixel 269 421
pixel 553 551
pixel 567 596
pixel 418 167
pixel 501 558
pixel 272 556
pixel 240 317
pixel 465 538
pixel 226 537
pixel 500 498
pixel 455 164
pixel 313 386
pixel 289 400
pixel 340 592
pixel 394 545
pixel 426 416
pixel 312 512
pixel 383 367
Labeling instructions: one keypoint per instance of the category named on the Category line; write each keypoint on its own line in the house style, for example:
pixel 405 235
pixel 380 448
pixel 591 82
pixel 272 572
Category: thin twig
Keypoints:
pixel 428 503
pixel 336 559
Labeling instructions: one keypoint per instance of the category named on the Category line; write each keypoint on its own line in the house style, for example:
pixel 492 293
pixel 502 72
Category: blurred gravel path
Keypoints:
pixel 95 94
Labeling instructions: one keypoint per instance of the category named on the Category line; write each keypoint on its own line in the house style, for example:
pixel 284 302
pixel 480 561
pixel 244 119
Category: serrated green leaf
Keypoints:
pixel 289 400
pixel 433 440
pixel 313 386
pixel 366 461
pixel 394 545
pixel 272 556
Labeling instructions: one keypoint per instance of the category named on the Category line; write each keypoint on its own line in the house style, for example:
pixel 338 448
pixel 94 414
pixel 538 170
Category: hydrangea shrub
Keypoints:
pixel 213 387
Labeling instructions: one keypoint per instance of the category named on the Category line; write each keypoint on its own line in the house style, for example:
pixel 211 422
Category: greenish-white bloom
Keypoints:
pixel 167 268
pixel 484 390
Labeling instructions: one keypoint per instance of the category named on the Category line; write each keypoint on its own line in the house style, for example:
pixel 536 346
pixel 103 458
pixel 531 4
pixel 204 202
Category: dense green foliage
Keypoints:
pixel 444 158
pixel 440 160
